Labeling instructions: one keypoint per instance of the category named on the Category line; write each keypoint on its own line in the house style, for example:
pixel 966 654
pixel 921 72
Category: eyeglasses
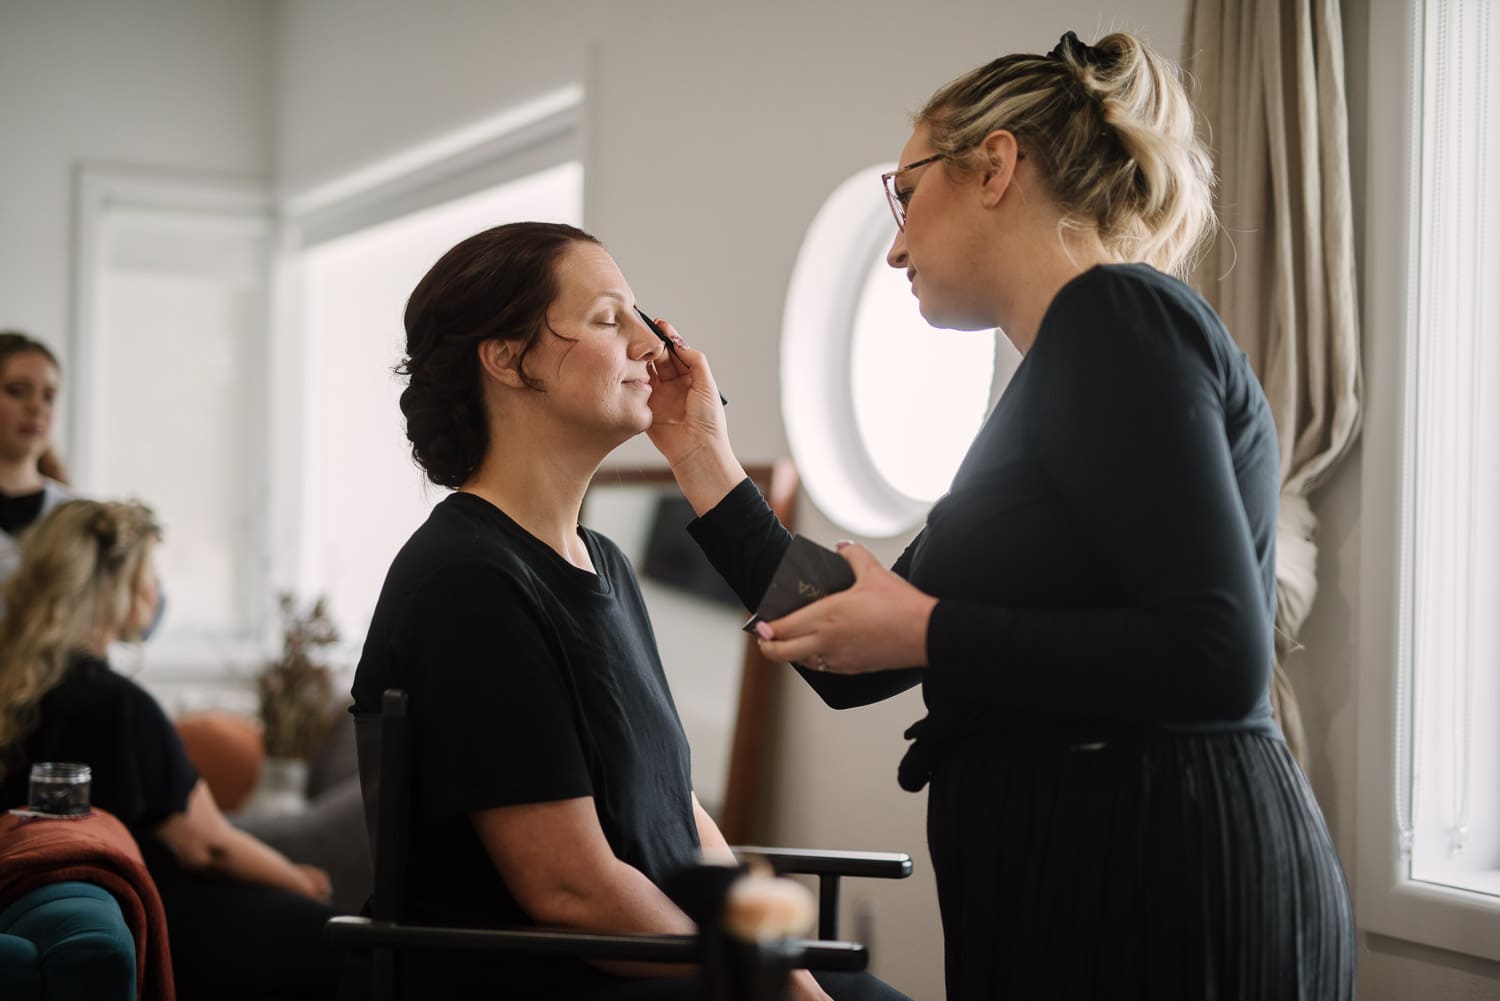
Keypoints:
pixel 896 196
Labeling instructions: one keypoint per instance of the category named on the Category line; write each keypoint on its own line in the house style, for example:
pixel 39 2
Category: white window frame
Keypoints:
pixel 507 146
pixel 99 191
pixel 1388 900
pixel 852 229
pixel 513 144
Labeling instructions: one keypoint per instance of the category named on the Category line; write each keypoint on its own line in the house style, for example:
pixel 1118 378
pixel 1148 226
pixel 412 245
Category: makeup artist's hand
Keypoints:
pixel 878 624
pixel 685 403
pixel 688 425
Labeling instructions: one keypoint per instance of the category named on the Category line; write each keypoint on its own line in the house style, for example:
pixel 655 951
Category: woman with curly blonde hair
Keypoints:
pixel 87 580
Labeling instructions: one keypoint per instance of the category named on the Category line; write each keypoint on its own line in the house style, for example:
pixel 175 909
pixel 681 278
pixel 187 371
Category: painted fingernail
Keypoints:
pixel 764 631
pixel 842 543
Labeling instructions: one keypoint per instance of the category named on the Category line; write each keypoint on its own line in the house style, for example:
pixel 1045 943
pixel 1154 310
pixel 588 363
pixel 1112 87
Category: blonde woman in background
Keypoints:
pixel 244 922
pixel 32 479
pixel 1113 813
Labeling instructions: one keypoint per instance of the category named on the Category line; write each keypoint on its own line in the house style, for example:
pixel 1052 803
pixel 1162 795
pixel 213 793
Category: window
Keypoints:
pixel 1450 816
pixel 362 495
pixel 879 407
pixel 232 366
pixel 168 390
pixel 919 394
pixel 1429 782
pixel 349 494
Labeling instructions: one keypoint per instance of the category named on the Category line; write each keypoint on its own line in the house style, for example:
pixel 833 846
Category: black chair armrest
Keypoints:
pixel 811 862
pixel 829 867
pixel 359 932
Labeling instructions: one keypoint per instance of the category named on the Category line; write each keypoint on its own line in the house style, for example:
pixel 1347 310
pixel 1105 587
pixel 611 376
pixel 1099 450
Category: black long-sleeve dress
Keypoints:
pixel 1113 812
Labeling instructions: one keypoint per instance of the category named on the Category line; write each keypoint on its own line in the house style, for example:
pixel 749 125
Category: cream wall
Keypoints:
pixel 713 132
pixel 184 84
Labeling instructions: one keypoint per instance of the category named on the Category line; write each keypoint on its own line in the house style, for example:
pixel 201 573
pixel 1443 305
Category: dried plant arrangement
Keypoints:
pixel 296 690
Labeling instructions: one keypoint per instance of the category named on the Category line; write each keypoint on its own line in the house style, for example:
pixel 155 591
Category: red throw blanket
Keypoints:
pixel 94 849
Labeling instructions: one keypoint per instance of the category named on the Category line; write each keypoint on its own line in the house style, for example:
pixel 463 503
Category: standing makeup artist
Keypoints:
pixel 1113 812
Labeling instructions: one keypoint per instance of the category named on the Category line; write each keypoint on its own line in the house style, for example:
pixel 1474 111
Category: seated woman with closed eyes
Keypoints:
pixel 550 782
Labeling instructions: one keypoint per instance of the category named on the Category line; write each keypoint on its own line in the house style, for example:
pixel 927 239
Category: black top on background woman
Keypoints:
pixel 1112 811
pixel 244 921
pixel 32 479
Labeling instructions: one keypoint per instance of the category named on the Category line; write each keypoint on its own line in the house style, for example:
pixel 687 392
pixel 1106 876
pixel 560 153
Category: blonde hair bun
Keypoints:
pixel 1111 128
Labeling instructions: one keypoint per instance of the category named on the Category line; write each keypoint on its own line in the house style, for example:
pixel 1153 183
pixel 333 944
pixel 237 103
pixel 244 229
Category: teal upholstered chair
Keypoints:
pixel 66 942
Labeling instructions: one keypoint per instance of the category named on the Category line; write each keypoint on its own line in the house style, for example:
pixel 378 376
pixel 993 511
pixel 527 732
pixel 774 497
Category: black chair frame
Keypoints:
pixel 384 748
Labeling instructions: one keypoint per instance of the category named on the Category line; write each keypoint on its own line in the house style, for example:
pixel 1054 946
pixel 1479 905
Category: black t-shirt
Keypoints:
pixel 1105 558
pixel 140 772
pixel 18 512
pixel 530 681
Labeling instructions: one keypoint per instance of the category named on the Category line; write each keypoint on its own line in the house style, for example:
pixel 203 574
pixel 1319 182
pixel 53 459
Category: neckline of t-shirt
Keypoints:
pixel 597 581
pixel 80 660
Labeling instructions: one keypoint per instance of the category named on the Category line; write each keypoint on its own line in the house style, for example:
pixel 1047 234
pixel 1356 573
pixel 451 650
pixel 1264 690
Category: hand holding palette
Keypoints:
pixel 806 573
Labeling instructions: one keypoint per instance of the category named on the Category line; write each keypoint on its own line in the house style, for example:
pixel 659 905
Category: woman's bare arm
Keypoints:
pixel 559 866
pixel 202 839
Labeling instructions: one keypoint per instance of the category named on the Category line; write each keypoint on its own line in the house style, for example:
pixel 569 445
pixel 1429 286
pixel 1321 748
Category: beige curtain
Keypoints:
pixel 1269 84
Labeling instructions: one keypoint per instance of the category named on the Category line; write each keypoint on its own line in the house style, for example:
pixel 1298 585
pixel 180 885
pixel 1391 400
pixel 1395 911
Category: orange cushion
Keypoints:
pixel 227 751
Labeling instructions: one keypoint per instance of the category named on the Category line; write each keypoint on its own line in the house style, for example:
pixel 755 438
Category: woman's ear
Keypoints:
pixel 999 153
pixel 501 361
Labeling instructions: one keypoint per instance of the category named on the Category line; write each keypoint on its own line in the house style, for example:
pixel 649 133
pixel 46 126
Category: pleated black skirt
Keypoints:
pixel 1170 867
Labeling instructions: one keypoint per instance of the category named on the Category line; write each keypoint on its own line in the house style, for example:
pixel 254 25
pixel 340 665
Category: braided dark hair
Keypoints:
pixel 495 285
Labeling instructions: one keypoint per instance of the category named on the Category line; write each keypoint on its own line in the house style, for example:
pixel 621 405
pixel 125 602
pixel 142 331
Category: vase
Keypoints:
pixel 280 789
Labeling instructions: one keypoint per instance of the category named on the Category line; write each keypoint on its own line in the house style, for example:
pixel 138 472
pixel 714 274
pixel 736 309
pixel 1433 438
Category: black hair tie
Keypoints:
pixel 1070 46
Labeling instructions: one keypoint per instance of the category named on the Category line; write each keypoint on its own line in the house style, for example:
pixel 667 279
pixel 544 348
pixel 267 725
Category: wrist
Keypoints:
pixel 707 475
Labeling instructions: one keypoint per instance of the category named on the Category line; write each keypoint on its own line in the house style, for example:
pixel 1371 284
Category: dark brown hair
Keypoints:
pixel 13 342
pixel 496 285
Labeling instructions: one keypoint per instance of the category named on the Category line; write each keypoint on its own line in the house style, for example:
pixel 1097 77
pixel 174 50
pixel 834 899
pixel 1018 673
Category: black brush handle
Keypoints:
pixel 652 326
